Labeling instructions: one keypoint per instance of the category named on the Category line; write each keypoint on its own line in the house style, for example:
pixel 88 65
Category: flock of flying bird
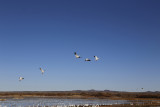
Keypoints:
pixel 76 55
pixel 87 59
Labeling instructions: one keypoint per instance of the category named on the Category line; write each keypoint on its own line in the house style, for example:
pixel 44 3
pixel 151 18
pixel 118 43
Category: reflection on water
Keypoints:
pixel 26 102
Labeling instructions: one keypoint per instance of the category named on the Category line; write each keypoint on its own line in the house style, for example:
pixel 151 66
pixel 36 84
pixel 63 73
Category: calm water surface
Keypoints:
pixel 57 102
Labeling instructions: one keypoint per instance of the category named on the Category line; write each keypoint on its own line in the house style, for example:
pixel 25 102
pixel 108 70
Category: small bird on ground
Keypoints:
pixel 87 59
pixel 42 71
pixel 96 58
pixel 21 78
pixel 77 56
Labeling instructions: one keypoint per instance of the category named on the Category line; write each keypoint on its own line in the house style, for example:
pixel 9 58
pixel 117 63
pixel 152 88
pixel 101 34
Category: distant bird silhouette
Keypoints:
pixel 77 56
pixel 96 58
pixel 42 71
pixel 21 78
pixel 87 59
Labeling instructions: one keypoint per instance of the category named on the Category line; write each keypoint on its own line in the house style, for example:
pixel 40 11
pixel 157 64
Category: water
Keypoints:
pixel 27 102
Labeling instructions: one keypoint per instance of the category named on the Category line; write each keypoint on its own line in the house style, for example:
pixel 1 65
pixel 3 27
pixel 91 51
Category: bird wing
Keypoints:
pixel 42 70
pixel 96 58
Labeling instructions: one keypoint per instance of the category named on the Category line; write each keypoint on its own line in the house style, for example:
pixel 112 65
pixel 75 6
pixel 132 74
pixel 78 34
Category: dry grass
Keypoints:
pixel 85 94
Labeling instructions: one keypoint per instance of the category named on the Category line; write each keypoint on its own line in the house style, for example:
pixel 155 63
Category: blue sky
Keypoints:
pixel 125 34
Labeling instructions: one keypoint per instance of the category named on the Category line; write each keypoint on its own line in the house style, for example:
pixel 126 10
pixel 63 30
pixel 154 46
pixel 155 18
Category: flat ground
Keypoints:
pixel 85 94
pixel 147 99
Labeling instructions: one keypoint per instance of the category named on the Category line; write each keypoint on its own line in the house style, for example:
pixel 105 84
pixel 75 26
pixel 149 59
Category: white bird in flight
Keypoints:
pixel 87 59
pixel 42 71
pixel 77 56
pixel 96 58
pixel 21 78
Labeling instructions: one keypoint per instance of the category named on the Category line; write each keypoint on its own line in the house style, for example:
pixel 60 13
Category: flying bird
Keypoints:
pixel 77 56
pixel 42 71
pixel 21 78
pixel 87 59
pixel 96 58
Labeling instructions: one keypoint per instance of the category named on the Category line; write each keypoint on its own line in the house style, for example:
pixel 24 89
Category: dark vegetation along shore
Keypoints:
pixel 137 99
pixel 84 94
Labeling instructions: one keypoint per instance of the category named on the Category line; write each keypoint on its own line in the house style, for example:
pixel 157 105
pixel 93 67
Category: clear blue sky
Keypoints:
pixel 125 34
